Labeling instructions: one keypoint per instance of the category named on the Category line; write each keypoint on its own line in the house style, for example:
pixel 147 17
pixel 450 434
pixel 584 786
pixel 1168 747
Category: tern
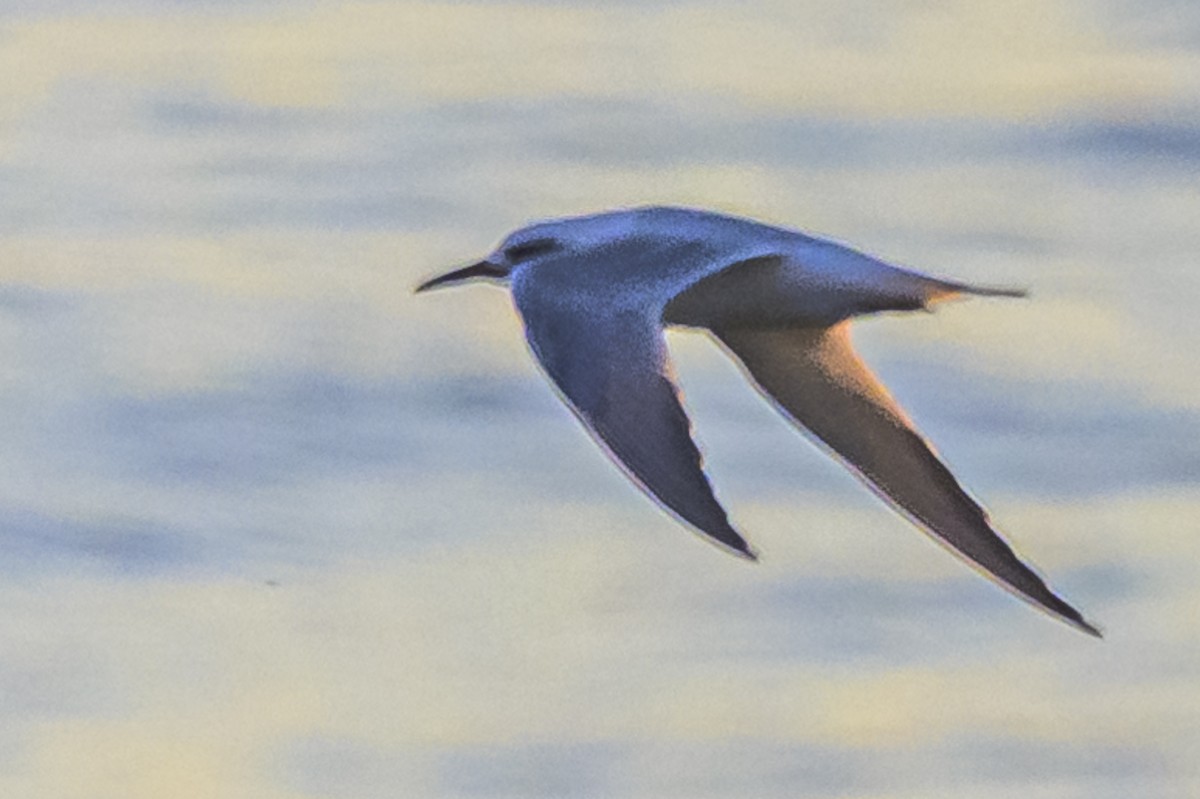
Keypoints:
pixel 596 292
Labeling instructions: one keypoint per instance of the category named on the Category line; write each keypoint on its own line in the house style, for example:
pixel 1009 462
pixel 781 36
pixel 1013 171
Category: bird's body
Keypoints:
pixel 595 293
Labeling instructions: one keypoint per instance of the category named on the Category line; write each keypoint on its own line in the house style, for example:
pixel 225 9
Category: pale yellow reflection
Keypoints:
pixel 591 636
pixel 977 59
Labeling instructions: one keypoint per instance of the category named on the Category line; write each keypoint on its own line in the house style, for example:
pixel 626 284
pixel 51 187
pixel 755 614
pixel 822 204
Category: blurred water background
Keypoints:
pixel 270 526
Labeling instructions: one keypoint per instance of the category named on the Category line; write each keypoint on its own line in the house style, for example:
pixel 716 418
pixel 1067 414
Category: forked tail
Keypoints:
pixel 940 290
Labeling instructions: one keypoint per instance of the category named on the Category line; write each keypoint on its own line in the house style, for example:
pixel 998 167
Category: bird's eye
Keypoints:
pixel 520 252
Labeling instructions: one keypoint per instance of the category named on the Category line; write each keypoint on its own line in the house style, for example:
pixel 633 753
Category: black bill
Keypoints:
pixel 483 269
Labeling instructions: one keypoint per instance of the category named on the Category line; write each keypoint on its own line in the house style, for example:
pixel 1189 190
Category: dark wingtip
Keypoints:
pixel 1088 628
pixel 735 545
pixel 1072 616
pixel 733 541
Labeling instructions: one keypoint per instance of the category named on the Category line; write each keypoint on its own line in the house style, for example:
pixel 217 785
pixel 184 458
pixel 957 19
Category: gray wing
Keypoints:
pixel 611 367
pixel 817 379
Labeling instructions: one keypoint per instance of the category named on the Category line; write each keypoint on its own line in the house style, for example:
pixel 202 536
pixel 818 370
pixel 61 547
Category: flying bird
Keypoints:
pixel 596 292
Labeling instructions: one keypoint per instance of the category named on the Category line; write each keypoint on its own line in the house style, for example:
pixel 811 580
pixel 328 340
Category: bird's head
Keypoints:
pixel 523 247
pixel 543 240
